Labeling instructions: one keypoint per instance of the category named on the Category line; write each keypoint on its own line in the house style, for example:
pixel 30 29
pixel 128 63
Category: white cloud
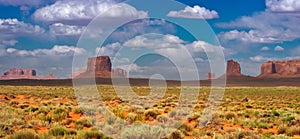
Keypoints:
pixel 263 27
pixel 283 5
pixel 80 12
pixel 261 59
pixel 55 51
pixel 108 50
pixel 265 48
pixel 195 12
pixel 9 42
pixel 12 28
pixel 140 27
pixel 279 48
pixel 252 36
pixel 59 29
pixel 258 58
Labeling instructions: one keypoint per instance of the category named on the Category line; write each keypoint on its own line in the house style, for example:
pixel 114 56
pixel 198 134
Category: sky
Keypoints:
pixel 47 35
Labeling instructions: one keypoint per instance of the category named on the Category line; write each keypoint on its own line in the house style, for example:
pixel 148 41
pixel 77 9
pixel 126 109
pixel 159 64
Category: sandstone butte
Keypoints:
pixel 18 73
pixel 280 69
pixel 101 67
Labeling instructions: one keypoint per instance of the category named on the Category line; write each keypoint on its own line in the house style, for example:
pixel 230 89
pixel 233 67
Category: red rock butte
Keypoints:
pixel 18 73
pixel 101 67
pixel 280 69
pixel 233 70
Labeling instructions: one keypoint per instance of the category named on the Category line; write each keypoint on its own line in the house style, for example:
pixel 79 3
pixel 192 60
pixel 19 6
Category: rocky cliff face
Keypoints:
pixel 233 69
pixel 101 67
pixel 99 64
pixel 282 69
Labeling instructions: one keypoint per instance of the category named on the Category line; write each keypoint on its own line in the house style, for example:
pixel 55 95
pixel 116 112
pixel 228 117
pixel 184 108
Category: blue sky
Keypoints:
pixel 44 34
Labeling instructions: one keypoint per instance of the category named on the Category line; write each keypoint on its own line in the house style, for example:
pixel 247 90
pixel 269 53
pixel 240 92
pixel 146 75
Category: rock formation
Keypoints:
pixel 282 69
pixel 233 69
pixel 210 76
pixel 101 67
pixel 18 73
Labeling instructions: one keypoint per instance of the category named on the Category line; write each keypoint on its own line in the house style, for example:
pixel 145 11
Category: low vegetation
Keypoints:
pixel 53 112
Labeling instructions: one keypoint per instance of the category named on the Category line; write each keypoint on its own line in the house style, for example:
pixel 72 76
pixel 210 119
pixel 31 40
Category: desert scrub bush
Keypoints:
pixel 293 130
pixel 281 130
pixel 91 134
pixel 14 103
pixel 172 113
pixel 162 118
pixel 83 122
pixel 58 131
pixel 119 112
pixel 89 110
pixel 145 131
pixel 229 115
pixel 193 116
pixel 59 114
pixel 23 134
pixel 131 117
pixel 31 109
pixel 275 113
pixel 151 113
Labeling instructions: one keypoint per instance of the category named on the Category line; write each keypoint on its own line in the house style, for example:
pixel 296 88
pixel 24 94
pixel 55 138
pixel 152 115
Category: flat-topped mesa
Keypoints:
pixel 18 72
pixel 280 69
pixel 101 67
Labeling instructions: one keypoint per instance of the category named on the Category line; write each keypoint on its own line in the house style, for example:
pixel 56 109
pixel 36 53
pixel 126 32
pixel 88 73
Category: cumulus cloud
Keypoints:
pixel 258 58
pixel 195 12
pixel 59 29
pixel 12 28
pixel 81 12
pixel 140 27
pixel 263 27
pixel 283 5
pixel 279 48
pixel 108 50
pixel 261 59
pixel 265 48
pixel 9 42
pixel 252 36
pixel 55 51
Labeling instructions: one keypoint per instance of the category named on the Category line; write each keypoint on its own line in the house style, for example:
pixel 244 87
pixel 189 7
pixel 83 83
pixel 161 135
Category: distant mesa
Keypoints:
pixel 101 67
pixel 280 69
pixel 18 73
pixel 211 76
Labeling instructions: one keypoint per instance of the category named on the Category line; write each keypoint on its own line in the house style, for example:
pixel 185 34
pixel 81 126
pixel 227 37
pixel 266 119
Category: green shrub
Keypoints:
pixel 83 122
pixel 151 113
pixel 23 134
pixel 58 131
pixel 91 135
